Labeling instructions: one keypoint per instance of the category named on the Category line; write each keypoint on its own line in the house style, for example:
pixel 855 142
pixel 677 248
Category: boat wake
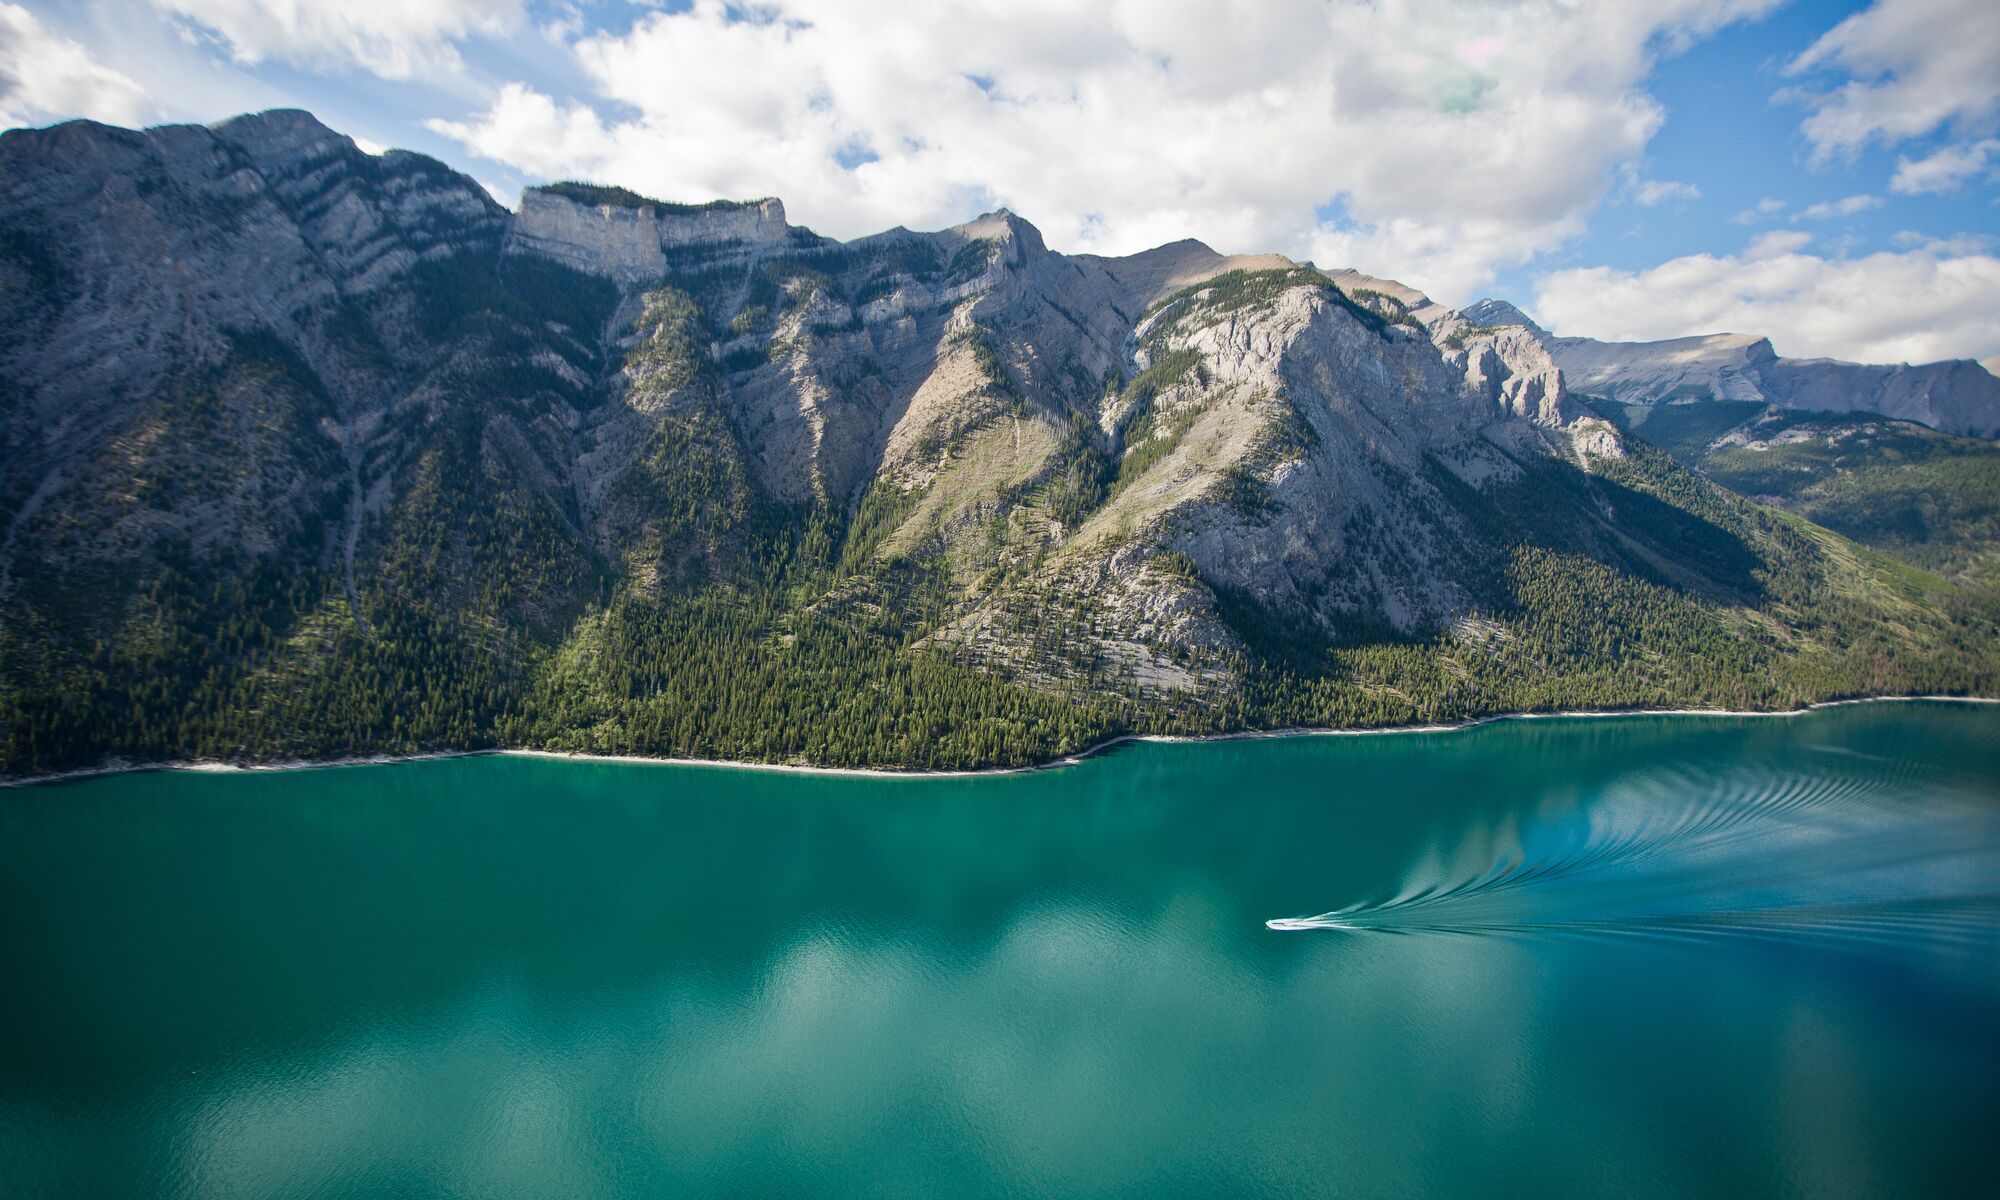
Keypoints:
pixel 1877 851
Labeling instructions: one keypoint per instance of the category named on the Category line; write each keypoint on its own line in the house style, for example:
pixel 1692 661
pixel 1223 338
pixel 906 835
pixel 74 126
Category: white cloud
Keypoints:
pixel 1776 243
pixel 1766 207
pixel 45 77
pixel 1658 191
pixel 526 129
pixel 1827 210
pixel 395 39
pixel 1933 301
pixel 1957 243
pixel 1911 66
pixel 505 197
pixel 1454 138
pixel 1945 171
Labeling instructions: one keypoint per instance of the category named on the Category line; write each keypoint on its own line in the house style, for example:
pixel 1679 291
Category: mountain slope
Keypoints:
pixel 1924 497
pixel 311 452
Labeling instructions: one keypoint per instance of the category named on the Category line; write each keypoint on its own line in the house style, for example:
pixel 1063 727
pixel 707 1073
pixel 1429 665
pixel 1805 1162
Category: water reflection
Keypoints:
pixel 503 977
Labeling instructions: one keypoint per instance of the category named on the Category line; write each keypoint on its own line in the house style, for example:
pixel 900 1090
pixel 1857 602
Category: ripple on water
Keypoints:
pixel 1868 852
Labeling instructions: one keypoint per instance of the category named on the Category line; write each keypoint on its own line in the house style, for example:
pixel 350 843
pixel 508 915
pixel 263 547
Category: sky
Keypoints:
pixel 1825 173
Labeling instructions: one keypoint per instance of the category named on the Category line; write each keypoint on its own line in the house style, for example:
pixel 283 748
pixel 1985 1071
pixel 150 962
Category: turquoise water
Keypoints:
pixel 1643 956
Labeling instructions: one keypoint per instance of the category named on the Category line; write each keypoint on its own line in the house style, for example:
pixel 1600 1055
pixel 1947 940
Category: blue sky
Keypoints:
pixel 1617 169
pixel 1726 135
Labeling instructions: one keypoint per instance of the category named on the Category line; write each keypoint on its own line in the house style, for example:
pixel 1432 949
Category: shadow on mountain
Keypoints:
pixel 1554 506
pixel 1560 507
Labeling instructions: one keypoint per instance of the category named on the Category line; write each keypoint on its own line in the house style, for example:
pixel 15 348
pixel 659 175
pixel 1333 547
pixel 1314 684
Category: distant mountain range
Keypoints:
pixel 1957 397
pixel 312 452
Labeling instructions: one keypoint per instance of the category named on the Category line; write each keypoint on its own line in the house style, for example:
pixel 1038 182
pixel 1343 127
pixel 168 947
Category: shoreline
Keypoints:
pixel 1070 760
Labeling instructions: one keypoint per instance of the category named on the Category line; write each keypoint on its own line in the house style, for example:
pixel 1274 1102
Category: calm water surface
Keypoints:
pixel 1635 957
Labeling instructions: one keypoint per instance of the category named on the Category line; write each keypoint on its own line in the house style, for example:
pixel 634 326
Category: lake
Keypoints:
pixel 1638 956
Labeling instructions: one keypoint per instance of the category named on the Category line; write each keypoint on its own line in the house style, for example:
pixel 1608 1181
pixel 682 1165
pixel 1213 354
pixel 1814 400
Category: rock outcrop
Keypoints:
pixel 602 232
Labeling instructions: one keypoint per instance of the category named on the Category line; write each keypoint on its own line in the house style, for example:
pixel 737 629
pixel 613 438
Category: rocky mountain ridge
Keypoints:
pixel 1958 396
pixel 310 451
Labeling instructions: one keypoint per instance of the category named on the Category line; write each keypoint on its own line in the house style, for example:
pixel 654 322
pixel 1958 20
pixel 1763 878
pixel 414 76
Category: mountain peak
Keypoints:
pixel 273 118
pixel 1004 225
pixel 279 134
pixel 1489 311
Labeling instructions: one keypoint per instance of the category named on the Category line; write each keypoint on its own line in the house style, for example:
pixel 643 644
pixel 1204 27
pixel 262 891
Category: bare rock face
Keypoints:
pixel 176 310
pixel 255 344
pixel 1316 509
pixel 1298 459
pixel 601 232
pixel 1510 367
pixel 368 217
pixel 1500 351
pixel 1720 367
pixel 1954 397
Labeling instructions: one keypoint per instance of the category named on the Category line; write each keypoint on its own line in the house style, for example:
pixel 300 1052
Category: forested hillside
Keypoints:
pixel 1921 496
pixel 313 453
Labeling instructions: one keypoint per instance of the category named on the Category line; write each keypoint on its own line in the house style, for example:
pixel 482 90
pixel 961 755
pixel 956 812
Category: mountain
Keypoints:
pixel 1926 498
pixel 1854 448
pixel 1956 397
pixel 310 452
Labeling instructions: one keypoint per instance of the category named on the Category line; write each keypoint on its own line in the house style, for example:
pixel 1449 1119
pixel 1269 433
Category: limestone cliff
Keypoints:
pixel 595 230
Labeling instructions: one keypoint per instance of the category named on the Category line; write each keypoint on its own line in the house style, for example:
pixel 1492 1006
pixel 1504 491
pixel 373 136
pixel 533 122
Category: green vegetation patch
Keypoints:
pixel 1684 430
pixel 618 197
pixel 1211 300
pixel 1928 499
